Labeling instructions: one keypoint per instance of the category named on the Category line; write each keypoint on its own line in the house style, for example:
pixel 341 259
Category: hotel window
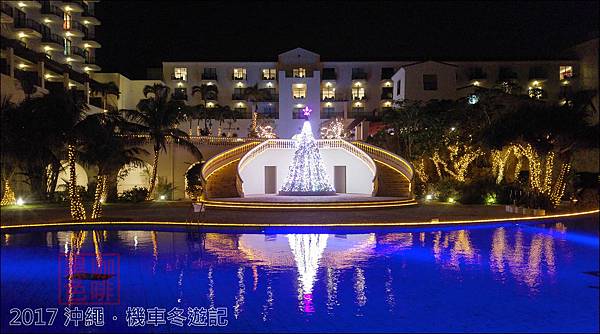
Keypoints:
pixel 358 93
pixel 566 72
pixel 387 93
pixel 239 74
pixel 269 74
pixel 299 91
pixel 180 73
pixel 299 72
pixel 209 73
pixel 430 82
pixel 328 93
pixel 387 73
pixel 67 21
pixel 328 74
pixel 358 73
pixel 67 47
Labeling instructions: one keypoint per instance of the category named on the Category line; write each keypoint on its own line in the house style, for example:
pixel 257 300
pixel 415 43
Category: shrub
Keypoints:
pixel 164 188
pixel 446 189
pixel 134 195
pixel 478 190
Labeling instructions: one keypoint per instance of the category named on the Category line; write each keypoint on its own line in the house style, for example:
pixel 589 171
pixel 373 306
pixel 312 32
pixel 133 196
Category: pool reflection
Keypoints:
pixel 330 274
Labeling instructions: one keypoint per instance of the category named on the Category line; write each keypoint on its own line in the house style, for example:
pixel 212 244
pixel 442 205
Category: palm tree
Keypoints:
pixel 158 116
pixel 253 94
pixel 207 92
pixel 110 146
pixel 105 89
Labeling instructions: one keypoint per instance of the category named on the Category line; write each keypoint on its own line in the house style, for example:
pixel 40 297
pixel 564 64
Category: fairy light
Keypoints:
pixel 9 195
pixel 77 208
pixel 266 132
pixel 499 159
pixel 459 163
pixel 99 197
pixel 335 130
pixel 307 172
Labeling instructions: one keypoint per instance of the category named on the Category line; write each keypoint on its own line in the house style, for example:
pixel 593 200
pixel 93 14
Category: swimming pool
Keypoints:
pixel 512 277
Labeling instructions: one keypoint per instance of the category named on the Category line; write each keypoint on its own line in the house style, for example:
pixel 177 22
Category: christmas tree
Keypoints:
pixel 307 175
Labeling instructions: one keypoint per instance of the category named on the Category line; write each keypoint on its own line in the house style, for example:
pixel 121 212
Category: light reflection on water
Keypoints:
pixel 350 274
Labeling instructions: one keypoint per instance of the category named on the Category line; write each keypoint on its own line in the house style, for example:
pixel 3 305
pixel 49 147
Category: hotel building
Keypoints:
pixel 47 43
pixel 359 90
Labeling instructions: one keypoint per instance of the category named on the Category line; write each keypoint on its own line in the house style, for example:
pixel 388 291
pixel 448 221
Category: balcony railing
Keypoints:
pixel 90 59
pixel 89 33
pixel 332 114
pixel 209 76
pixel 178 77
pixel 387 95
pixel 78 26
pixel 27 23
pixel 53 38
pixel 238 97
pixel 27 76
pixel 239 78
pixel 6 9
pixel 359 98
pixel 47 8
pixel 79 52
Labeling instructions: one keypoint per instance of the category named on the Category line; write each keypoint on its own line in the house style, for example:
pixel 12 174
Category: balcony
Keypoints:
pixel 52 12
pixel 387 95
pixel 7 12
pixel 75 28
pixel 331 114
pixel 238 78
pixel 238 97
pixel 90 63
pixel 28 77
pixel 78 54
pixel 28 26
pixel 359 98
pixel 53 42
pixel 75 6
pixel 209 76
pixel 178 77
pixel 329 98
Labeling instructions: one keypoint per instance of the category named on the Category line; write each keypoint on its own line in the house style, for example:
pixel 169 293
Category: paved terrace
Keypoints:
pixel 180 211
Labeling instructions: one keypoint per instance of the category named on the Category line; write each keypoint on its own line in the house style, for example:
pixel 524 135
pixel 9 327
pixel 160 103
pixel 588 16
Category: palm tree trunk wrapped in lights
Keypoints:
pixel 150 195
pixel 77 208
pixel 9 195
pixel 100 190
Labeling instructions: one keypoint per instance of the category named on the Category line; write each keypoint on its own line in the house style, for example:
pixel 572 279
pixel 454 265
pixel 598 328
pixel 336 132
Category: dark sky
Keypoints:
pixel 140 34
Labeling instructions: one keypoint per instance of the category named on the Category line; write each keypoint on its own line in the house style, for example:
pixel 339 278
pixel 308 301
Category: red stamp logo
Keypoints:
pixel 88 279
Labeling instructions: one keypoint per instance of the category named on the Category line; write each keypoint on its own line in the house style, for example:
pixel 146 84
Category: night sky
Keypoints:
pixel 140 34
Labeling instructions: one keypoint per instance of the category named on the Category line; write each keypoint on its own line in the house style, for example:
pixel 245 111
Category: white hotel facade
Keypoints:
pixel 361 90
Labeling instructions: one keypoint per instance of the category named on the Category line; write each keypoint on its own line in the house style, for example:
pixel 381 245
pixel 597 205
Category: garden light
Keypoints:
pixel 20 202
pixel 429 197
pixel 163 197
pixel 450 200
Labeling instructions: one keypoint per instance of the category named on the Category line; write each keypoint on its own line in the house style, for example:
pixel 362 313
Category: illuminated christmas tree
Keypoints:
pixel 307 175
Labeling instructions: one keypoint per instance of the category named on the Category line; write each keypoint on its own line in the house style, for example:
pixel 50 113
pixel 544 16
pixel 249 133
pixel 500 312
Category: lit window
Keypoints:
pixel 180 73
pixel 67 21
pixel 269 74
pixel 358 93
pixel 566 72
pixel 67 47
pixel 299 72
pixel 328 92
pixel 430 82
pixel 299 91
pixel 239 74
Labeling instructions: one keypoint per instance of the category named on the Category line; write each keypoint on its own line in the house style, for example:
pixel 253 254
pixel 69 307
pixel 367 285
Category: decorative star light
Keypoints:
pixel 306 111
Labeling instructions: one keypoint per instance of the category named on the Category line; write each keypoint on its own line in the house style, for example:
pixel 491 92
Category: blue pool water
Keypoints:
pixel 532 277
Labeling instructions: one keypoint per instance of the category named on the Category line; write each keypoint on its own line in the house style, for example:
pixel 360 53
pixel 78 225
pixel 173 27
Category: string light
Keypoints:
pixel 334 130
pixel 99 197
pixel 9 195
pixel 459 162
pixel 266 132
pixel 77 208
pixel 307 172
